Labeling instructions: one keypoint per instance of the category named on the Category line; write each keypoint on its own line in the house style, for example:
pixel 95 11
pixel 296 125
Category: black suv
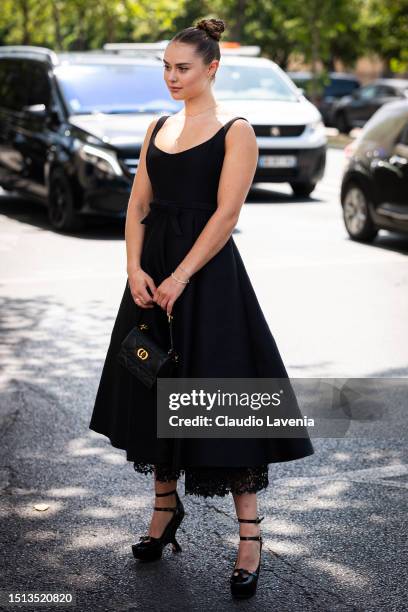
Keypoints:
pixel 374 190
pixel 72 126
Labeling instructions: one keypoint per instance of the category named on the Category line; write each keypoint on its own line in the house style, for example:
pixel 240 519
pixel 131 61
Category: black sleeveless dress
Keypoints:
pixel 219 298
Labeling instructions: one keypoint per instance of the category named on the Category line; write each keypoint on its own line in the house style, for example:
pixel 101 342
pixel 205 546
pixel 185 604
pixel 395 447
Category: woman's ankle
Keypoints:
pixel 166 501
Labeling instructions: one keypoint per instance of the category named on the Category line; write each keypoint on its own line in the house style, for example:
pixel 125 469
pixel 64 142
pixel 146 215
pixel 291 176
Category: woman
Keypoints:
pixel 195 170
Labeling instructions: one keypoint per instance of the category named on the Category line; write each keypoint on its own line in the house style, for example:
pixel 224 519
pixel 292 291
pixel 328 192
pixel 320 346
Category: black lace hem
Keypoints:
pixel 211 481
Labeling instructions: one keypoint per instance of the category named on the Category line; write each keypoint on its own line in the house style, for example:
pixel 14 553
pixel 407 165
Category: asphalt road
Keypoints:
pixel 335 531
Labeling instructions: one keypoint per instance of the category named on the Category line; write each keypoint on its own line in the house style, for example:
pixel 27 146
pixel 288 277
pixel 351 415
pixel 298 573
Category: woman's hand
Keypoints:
pixel 167 293
pixel 139 281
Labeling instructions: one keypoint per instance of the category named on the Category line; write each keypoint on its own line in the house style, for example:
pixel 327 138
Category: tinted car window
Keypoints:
pixel 384 90
pixel 13 84
pixel 340 87
pixel 367 93
pixel 114 88
pixel 382 129
pixel 39 90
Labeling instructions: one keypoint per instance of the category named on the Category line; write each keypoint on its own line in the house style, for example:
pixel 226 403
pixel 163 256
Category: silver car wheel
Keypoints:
pixel 355 210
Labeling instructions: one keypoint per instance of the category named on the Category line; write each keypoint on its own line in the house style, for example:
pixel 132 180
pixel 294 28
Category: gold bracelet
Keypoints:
pixel 184 270
pixel 178 280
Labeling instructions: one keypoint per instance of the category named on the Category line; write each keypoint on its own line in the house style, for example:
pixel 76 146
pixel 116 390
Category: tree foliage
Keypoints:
pixel 320 31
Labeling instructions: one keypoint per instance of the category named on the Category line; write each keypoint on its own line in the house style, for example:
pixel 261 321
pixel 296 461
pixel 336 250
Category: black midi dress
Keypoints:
pixel 217 308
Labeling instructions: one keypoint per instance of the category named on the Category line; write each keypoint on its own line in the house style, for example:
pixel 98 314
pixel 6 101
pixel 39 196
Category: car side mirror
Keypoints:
pixel 301 91
pixel 49 115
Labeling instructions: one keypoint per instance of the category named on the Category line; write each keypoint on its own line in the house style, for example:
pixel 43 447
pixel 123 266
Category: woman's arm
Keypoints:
pixel 140 196
pixel 238 170
pixel 138 207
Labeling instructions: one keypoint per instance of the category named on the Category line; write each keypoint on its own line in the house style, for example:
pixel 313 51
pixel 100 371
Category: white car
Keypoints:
pixel 290 131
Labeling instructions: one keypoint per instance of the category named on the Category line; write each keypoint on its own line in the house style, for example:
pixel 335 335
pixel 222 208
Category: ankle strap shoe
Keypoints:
pixel 150 548
pixel 243 583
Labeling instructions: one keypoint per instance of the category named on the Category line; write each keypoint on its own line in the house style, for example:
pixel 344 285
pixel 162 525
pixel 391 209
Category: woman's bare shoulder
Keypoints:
pixel 153 124
pixel 241 134
pixel 241 125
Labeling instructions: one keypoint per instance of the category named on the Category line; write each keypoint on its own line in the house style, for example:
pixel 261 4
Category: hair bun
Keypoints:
pixel 213 27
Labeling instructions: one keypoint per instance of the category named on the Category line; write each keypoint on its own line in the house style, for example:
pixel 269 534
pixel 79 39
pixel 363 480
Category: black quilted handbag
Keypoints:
pixel 144 358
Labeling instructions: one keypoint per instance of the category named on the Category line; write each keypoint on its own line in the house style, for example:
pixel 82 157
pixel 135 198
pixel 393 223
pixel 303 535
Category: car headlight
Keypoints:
pixel 316 126
pixel 105 161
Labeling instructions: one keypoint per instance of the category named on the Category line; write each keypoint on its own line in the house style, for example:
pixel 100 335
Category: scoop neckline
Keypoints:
pixel 190 148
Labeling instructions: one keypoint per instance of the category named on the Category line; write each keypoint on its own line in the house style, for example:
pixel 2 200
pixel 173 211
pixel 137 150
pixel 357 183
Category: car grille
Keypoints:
pixel 282 131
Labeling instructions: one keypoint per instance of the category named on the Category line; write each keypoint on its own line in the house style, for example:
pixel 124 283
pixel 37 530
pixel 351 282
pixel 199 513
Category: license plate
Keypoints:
pixel 277 161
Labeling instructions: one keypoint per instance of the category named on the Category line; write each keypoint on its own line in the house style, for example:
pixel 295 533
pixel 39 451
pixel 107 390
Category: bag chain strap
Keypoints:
pixel 171 351
pixel 170 319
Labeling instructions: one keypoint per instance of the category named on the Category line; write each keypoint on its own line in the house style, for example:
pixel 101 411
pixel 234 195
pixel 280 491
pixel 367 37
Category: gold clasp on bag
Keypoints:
pixel 142 353
pixel 143 326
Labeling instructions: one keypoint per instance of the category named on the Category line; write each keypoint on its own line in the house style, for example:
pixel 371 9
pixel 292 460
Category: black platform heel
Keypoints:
pixel 243 582
pixel 150 548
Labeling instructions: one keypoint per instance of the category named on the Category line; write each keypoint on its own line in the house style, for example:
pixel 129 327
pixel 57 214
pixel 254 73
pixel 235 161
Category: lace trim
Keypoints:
pixel 211 481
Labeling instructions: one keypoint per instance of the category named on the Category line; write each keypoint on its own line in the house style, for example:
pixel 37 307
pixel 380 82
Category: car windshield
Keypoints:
pixel 252 83
pixel 115 88
pixel 133 88
pixel 383 126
